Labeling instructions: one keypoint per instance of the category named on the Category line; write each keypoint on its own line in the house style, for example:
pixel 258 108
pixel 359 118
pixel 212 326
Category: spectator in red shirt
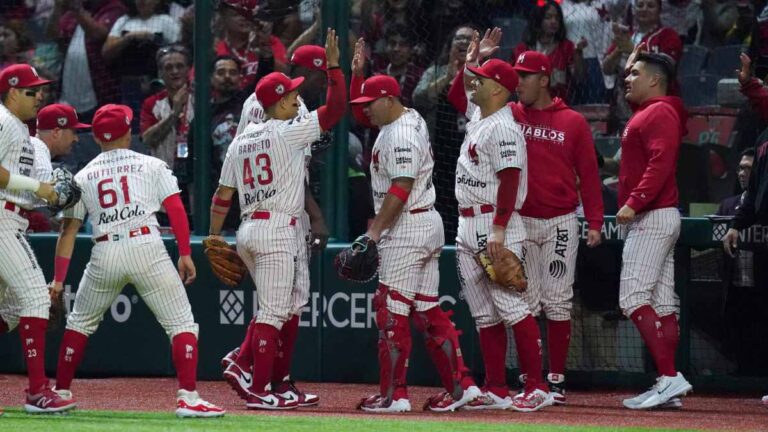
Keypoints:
pixel 86 82
pixel 249 40
pixel 546 34
pixel 398 62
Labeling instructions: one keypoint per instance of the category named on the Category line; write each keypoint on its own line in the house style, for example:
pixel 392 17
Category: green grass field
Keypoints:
pixel 17 420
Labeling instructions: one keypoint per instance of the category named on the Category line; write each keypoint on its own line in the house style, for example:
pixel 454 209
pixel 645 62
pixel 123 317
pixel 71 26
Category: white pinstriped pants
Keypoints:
pixel 269 248
pixel 23 291
pixel 410 256
pixel 300 294
pixel 648 262
pixel 549 256
pixel 489 303
pixel 143 262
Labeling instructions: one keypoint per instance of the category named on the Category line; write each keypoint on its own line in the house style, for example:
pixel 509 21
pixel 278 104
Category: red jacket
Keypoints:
pixel 560 150
pixel 650 146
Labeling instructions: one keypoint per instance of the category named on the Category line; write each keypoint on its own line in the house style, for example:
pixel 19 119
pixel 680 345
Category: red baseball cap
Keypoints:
pixel 20 76
pixel 376 87
pixel 499 71
pixel 533 62
pixel 310 57
pixel 111 122
pixel 274 87
pixel 58 116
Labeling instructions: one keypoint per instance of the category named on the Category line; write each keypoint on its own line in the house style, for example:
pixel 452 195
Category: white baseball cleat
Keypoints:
pixel 657 396
pixel 532 401
pixel 189 405
pixel 270 401
pixel 765 401
pixel 444 401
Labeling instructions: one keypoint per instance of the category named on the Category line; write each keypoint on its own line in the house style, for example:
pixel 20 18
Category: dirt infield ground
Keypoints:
pixel 584 408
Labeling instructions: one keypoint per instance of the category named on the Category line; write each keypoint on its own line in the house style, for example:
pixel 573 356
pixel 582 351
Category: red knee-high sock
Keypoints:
pixel 263 348
pixel 558 341
pixel 184 353
pixel 493 344
pixel 3 326
pixel 648 324
pixel 32 333
pixel 245 358
pixel 285 345
pixel 528 341
pixel 71 353
pixel 671 333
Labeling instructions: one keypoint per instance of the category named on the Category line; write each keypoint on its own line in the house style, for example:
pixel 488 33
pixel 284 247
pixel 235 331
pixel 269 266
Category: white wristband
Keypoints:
pixel 23 183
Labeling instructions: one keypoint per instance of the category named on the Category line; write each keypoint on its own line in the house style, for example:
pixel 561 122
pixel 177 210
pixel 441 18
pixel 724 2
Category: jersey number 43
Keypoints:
pixel 262 165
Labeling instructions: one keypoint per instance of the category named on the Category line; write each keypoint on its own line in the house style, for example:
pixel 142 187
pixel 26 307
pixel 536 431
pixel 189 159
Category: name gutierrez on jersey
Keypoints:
pixel 109 172
pixel 542 133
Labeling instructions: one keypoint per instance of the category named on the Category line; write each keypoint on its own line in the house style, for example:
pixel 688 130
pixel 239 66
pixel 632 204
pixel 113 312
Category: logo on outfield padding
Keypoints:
pixel 231 307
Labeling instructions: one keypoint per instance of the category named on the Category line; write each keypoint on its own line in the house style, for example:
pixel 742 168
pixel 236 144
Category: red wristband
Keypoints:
pixel 399 193
pixel 221 202
pixel 60 268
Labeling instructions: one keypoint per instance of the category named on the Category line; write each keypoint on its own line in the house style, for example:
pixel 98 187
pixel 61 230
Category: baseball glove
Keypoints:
pixel 359 262
pixel 56 311
pixel 68 192
pixel 507 271
pixel 226 264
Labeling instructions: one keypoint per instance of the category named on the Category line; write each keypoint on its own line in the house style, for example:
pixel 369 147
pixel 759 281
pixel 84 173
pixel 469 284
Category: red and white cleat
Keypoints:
pixel 765 401
pixel 239 380
pixel 444 401
pixel 532 401
pixel 48 401
pixel 269 401
pixel 287 390
pixel 230 358
pixel 489 401
pixel 377 404
pixel 189 404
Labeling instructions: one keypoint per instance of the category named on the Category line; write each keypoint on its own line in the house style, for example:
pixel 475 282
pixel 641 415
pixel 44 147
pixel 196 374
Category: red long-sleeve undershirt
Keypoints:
pixel 506 196
pixel 177 216
pixel 335 100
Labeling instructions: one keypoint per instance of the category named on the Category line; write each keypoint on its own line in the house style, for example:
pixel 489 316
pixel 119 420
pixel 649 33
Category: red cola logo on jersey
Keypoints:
pixel 259 196
pixel 472 152
pixel 538 132
pixel 122 214
pixel 375 160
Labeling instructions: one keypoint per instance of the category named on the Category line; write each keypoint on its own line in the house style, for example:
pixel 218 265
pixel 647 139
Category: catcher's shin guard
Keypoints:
pixel 442 341
pixel 394 347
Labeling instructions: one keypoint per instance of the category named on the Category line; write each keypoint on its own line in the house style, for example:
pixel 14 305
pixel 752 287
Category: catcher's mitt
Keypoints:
pixel 68 192
pixel 226 264
pixel 507 271
pixel 359 262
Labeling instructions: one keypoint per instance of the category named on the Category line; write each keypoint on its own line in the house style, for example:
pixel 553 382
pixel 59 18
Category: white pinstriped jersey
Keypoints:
pixel 491 144
pixel 17 155
pixel 122 190
pixel 266 164
pixel 254 113
pixel 43 170
pixel 402 149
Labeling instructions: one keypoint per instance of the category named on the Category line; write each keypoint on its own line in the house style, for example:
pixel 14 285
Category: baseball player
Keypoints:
pixel 410 237
pixel 308 61
pixel 121 191
pixel 56 125
pixel 647 198
pixel 560 155
pixel 265 164
pixel 21 275
pixel 491 187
